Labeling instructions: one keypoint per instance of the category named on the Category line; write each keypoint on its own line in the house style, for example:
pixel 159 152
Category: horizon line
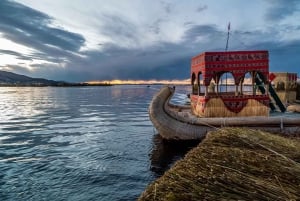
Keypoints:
pixel 144 82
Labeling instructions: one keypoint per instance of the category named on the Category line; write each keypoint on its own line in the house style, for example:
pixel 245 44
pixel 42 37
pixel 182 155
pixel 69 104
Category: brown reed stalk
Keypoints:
pixel 233 164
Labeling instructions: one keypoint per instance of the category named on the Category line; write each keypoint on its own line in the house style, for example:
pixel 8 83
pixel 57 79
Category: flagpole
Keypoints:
pixel 228 29
pixel 226 48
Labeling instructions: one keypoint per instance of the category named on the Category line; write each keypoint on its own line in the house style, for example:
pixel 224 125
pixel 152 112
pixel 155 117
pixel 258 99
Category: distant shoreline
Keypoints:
pixel 54 85
pixel 82 85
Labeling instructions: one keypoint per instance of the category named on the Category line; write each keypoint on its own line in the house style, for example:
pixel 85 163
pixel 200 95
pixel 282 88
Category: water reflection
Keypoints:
pixel 81 143
pixel 165 153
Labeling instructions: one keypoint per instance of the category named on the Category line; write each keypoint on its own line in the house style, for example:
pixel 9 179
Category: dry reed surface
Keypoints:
pixel 216 108
pixel 234 164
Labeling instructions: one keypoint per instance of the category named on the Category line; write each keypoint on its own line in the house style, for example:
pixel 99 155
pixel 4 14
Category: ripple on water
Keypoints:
pixel 90 143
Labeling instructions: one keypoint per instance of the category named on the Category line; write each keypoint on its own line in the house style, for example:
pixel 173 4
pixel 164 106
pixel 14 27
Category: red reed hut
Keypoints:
pixel 207 69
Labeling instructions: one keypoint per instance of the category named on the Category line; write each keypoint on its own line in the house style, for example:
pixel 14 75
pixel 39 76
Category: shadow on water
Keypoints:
pixel 165 153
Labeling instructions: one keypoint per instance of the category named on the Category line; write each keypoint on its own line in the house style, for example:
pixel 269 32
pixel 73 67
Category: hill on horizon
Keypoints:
pixel 9 78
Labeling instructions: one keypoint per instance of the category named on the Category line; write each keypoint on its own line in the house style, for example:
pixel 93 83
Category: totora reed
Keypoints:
pixel 233 164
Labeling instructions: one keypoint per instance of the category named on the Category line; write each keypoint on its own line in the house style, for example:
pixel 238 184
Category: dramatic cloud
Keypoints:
pixel 29 27
pixel 101 40
pixel 280 9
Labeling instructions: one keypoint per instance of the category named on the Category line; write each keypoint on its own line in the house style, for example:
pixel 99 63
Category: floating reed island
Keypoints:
pixel 233 164
pixel 239 158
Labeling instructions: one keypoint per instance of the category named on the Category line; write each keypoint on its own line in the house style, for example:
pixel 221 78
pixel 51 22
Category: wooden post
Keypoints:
pixel 267 87
pixel 241 86
pixel 236 90
pixel 253 80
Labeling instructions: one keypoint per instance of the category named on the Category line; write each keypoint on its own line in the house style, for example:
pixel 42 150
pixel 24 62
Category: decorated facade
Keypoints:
pixel 207 70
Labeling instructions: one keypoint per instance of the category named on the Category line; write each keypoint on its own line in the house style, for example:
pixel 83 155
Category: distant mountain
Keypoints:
pixel 13 79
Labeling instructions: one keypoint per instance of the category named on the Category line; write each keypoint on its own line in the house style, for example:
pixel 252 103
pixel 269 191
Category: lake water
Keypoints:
pixel 84 143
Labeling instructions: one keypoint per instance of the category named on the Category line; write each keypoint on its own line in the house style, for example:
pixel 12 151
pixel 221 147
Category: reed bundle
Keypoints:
pixel 216 108
pixel 293 108
pixel 233 164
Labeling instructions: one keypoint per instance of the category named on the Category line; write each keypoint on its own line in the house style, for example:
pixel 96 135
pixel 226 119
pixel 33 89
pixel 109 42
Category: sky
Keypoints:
pixel 82 40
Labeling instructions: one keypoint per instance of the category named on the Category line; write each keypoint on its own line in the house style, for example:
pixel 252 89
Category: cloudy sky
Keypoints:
pixel 80 40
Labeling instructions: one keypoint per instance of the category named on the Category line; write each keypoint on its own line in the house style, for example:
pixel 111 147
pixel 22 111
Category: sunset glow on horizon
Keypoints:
pixel 137 82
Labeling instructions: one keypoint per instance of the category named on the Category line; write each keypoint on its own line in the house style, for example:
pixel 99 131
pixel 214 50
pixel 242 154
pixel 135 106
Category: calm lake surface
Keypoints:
pixel 85 143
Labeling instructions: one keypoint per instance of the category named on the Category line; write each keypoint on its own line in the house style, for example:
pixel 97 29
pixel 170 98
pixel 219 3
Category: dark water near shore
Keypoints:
pixel 89 143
